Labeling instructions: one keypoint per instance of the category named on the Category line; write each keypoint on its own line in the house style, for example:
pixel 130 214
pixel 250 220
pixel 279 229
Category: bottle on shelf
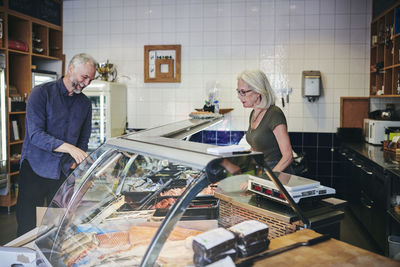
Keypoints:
pixel 398 84
pixel 208 106
pixel 216 106
pixel 1 32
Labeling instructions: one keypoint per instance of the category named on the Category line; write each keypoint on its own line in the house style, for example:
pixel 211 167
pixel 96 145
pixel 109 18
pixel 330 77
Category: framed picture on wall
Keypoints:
pixel 162 63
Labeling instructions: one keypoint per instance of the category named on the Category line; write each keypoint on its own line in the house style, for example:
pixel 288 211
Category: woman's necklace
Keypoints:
pixel 253 120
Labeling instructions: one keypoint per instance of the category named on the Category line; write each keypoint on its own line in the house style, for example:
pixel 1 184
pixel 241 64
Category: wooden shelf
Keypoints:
pixel 22 27
pixel 383 96
pixel 45 57
pixel 17 113
pixel 8 200
pixel 14 173
pixel 17 52
pixel 385 51
pixel 221 110
pixel 16 142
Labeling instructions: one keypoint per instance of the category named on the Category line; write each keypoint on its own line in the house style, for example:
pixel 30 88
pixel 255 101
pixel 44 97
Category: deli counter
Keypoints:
pixel 141 199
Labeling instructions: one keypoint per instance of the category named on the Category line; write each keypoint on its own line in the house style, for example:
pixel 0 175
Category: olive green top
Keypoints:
pixel 262 138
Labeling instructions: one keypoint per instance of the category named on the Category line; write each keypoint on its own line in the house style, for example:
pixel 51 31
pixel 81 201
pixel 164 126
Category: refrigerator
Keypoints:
pixel 108 111
pixel 3 129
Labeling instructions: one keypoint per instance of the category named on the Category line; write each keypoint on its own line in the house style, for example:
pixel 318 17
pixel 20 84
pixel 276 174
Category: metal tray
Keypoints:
pixel 201 208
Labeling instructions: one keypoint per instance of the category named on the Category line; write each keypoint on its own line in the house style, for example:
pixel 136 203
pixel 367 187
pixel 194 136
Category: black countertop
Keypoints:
pixel 386 160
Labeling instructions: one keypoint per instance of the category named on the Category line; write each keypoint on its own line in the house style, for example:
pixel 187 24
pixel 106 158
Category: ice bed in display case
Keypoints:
pixel 138 200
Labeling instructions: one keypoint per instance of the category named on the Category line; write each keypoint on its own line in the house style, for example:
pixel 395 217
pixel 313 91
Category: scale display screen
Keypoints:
pixel 298 187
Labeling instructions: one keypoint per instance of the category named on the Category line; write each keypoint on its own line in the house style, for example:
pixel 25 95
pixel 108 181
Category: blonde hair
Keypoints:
pixel 259 83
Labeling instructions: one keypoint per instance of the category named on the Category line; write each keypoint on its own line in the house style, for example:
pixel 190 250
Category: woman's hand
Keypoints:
pixel 244 185
pixel 230 167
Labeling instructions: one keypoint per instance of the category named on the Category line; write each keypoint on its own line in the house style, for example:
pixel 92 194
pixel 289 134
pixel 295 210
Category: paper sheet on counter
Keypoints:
pixel 220 150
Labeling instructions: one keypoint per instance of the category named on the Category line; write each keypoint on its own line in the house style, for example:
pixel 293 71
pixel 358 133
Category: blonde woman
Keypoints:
pixel 267 130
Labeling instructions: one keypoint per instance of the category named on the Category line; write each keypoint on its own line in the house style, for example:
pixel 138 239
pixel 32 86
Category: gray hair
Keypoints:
pixel 82 58
pixel 258 82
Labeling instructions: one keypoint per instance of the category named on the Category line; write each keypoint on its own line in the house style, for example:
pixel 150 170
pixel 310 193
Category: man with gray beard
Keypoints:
pixel 57 131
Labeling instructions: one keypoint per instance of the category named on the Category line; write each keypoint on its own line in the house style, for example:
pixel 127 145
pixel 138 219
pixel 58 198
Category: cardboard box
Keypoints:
pixel 55 213
pixel 40 211
pixel 12 256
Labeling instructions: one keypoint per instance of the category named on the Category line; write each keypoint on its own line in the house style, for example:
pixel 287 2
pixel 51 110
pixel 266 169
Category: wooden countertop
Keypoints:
pixel 328 253
pixel 221 110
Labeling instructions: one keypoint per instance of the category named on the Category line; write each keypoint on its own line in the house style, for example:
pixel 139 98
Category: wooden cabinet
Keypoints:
pixel 28 43
pixel 368 190
pixel 385 54
pixel 353 110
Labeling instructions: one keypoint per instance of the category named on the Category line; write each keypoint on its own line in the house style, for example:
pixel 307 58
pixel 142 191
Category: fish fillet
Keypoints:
pixel 112 240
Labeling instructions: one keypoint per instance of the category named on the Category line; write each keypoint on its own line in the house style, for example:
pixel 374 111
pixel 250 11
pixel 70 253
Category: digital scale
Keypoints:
pixel 298 188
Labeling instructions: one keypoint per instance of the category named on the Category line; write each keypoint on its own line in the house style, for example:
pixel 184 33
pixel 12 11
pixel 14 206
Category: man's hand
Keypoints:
pixel 76 153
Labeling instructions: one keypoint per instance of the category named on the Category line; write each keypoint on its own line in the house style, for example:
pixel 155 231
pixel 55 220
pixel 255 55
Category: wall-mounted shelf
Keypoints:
pixel 26 40
pixel 385 54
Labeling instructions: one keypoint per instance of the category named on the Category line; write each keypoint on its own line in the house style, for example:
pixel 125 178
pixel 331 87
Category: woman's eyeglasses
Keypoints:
pixel 242 92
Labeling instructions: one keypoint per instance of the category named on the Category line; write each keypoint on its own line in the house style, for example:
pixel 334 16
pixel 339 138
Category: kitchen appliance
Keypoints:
pixel 3 129
pixel 108 111
pixel 39 77
pixel 392 132
pixel 298 188
pixel 374 130
pixel 311 85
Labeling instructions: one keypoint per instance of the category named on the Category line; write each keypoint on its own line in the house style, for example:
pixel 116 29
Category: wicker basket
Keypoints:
pixel 230 214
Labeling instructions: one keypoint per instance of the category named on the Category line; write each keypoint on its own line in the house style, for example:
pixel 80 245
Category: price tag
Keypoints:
pixel 395 139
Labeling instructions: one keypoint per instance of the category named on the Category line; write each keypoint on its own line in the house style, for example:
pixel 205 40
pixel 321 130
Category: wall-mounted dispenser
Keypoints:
pixel 311 84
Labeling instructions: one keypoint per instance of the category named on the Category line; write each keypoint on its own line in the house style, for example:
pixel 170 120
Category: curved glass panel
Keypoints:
pixel 109 209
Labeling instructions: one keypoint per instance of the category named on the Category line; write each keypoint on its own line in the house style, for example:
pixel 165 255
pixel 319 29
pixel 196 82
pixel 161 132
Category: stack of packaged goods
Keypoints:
pixel 213 245
pixel 244 239
pixel 251 237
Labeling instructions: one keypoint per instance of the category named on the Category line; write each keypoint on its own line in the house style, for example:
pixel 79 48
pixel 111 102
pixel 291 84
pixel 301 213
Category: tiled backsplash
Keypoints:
pixel 320 150
pixel 220 138
pixel 219 39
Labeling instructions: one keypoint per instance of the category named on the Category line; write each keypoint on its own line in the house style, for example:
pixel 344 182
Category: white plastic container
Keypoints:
pixel 394 247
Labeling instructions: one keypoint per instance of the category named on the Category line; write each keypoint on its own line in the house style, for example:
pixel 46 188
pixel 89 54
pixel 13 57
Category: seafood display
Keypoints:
pixel 166 203
pixel 125 248
pixel 209 190
pixel 109 219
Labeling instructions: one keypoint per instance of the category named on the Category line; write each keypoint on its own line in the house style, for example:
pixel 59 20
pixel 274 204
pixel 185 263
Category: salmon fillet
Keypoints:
pixel 144 234
pixel 112 240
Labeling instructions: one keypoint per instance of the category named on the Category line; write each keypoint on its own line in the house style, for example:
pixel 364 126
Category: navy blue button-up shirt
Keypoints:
pixel 54 118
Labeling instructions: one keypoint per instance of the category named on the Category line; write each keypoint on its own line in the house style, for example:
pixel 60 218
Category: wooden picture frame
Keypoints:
pixel 162 63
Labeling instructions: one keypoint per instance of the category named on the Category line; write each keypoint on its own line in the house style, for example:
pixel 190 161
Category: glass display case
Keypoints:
pixel 141 199
pixel 138 200
pixel 108 111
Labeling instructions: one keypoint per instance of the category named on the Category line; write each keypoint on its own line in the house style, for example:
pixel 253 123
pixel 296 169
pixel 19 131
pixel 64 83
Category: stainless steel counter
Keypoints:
pixel 376 154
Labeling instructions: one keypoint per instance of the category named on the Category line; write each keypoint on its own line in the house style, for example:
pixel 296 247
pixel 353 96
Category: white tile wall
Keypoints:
pixel 219 39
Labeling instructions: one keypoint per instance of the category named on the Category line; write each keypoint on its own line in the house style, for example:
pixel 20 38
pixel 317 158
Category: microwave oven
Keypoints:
pixel 39 77
pixel 374 130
